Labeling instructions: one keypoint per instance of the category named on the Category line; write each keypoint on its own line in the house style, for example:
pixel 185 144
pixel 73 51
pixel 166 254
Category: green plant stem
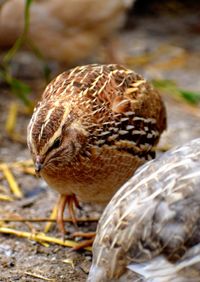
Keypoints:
pixel 20 41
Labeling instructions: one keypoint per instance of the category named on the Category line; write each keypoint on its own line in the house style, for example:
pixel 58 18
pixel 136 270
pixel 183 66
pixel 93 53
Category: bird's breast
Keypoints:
pixel 95 178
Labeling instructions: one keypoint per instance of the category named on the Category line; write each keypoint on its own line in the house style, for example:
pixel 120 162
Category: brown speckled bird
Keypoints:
pixel 93 127
pixel 150 230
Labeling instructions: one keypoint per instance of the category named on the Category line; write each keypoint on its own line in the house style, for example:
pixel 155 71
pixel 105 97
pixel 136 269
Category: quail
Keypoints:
pixel 65 31
pixel 150 229
pixel 94 126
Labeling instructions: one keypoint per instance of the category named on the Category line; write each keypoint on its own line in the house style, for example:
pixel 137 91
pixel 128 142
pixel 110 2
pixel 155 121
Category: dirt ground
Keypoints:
pixel 164 47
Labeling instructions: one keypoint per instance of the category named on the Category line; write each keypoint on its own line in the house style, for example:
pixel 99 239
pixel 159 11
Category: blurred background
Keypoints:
pixel 41 38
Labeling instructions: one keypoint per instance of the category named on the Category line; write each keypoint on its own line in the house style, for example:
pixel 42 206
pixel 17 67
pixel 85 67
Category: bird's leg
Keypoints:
pixel 76 202
pixel 61 207
pixel 72 200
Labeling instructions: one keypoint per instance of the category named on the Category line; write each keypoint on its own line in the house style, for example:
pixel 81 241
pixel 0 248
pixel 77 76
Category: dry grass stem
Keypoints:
pixel 24 166
pixel 39 276
pixel 52 218
pixel 163 148
pixel 11 118
pixel 11 181
pixel 11 124
pixel 25 163
pixel 40 237
pixel 47 219
pixel 70 262
pixel 6 198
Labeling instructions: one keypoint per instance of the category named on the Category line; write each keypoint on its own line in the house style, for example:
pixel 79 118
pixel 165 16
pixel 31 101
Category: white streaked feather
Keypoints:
pixel 161 270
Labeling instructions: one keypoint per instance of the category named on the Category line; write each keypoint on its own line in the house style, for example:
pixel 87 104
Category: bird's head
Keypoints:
pixel 55 136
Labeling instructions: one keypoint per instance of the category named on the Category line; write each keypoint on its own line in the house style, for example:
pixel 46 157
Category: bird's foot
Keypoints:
pixel 72 202
pixel 85 243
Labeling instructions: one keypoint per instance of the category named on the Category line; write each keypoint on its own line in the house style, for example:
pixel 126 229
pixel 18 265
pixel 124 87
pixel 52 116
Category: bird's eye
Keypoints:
pixel 56 144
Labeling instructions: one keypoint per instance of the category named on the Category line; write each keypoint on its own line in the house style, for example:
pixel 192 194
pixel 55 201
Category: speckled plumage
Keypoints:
pixel 93 127
pixel 152 224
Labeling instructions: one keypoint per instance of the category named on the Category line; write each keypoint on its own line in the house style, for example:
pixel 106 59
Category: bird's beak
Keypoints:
pixel 38 165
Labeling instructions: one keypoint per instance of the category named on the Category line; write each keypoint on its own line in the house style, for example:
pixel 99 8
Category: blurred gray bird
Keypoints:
pixel 150 229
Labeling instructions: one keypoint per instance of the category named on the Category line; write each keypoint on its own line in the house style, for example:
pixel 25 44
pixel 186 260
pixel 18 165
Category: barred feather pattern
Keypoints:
pixel 152 224
pixel 106 113
pixel 88 94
